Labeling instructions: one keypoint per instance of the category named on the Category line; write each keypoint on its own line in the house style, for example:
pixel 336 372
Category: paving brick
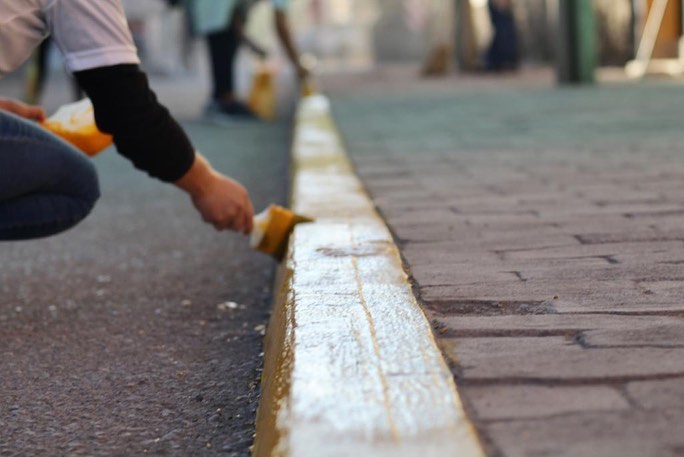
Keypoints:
pixel 430 232
pixel 524 219
pixel 508 202
pixel 607 271
pixel 601 192
pixel 633 236
pixel 509 402
pixel 502 203
pixel 494 241
pixel 572 296
pixel 502 291
pixel 670 257
pixel 658 335
pixel 672 193
pixel 590 224
pixel 465 275
pixel 434 272
pixel 438 216
pixel 445 252
pixel 556 358
pixel 627 308
pixel 659 394
pixel 397 190
pixel 408 206
pixel 624 434
pixel 617 250
pixel 667 290
pixel 662 187
pixel 657 214
pixel 666 224
pixel 549 324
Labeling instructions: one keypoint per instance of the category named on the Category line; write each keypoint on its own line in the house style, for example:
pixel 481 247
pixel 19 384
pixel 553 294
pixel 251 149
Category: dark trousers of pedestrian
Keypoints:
pixel 46 185
pixel 503 51
pixel 223 47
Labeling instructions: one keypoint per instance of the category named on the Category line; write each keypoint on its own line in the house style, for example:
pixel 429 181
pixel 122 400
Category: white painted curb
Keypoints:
pixel 351 365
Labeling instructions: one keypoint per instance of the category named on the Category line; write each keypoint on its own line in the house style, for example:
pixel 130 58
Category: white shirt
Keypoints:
pixel 90 33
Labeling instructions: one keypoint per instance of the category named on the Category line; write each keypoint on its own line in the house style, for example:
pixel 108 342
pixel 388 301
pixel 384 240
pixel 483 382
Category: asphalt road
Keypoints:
pixel 139 331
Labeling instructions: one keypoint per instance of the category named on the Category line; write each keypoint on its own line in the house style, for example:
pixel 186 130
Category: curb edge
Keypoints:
pixel 351 366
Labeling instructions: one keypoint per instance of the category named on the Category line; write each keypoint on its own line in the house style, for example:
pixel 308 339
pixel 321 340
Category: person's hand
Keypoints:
pixel 226 205
pixel 222 201
pixel 35 113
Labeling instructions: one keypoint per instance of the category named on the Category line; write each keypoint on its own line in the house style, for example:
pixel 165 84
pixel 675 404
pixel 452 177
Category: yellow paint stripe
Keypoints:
pixel 351 366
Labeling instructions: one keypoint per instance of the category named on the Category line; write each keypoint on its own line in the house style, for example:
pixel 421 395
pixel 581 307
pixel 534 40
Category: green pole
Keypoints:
pixel 577 42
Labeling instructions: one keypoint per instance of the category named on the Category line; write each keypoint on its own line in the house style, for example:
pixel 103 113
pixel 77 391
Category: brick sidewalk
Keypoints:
pixel 544 229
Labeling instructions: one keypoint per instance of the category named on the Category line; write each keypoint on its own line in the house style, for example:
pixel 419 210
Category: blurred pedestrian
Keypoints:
pixel 223 24
pixel 46 186
pixel 502 54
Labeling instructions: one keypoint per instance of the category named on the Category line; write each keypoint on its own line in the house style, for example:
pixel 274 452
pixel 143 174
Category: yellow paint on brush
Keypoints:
pixel 272 228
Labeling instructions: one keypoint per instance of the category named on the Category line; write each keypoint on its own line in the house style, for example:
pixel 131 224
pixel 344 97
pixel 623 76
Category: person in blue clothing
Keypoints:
pixel 223 23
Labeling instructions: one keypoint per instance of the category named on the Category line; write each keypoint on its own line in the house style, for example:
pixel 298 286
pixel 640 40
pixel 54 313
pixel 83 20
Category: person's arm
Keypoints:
pixel 144 132
pixel 283 31
pixel 251 44
pixel 35 113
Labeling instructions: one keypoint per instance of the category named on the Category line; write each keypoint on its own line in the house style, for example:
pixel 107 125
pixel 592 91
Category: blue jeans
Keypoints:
pixel 46 185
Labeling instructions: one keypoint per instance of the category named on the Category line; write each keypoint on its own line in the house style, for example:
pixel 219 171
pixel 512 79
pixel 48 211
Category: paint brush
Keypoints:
pixel 272 228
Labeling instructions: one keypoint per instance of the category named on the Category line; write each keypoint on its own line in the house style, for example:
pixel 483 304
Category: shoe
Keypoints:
pixel 229 111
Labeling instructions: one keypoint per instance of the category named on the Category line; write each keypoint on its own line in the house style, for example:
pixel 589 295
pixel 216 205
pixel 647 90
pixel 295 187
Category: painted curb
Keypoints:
pixel 351 366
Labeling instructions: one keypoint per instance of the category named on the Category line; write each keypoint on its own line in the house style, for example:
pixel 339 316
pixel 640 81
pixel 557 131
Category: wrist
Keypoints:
pixel 197 180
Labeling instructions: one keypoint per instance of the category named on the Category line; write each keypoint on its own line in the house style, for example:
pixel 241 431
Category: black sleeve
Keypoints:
pixel 143 129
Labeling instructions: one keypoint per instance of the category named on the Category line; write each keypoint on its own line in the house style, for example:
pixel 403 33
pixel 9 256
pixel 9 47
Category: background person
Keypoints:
pixel 502 54
pixel 223 24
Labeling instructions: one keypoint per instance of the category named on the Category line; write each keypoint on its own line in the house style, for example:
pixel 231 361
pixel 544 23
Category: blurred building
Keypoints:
pixel 353 34
pixel 407 29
